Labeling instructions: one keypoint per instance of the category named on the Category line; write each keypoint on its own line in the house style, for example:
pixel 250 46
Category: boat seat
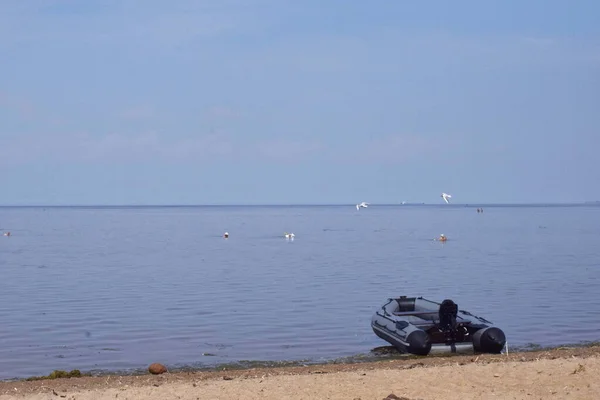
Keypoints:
pixel 432 323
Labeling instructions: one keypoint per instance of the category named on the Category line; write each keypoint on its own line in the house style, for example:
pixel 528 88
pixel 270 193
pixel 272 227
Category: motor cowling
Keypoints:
pixel 447 314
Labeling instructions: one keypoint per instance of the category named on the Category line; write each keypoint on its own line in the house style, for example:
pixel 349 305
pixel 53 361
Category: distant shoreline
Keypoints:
pixel 452 205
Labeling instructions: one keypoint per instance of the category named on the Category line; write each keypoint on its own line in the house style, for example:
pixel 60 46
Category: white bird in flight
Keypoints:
pixel 362 205
pixel 446 196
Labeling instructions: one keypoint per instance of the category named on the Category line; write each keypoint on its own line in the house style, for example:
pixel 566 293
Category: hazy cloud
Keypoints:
pixel 153 24
pixel 288 150
pixel 12 103
pixel 270 82
pixel 222 112
pixel 398 149
pixel 84 148
pixel 140 112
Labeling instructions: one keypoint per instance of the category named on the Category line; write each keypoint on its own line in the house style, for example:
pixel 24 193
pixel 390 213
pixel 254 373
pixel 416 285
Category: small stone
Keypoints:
pixel 157 369
pixel 392 396
pixel 227 378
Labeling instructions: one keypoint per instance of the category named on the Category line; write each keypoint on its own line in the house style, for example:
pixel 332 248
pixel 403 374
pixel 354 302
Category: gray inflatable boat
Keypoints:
pixel 419 326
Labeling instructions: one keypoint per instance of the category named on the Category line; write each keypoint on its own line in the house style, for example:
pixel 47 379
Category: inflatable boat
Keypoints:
pixel 419 326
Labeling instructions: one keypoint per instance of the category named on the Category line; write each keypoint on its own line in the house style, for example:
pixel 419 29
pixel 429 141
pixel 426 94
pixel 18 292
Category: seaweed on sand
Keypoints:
pixel 57 374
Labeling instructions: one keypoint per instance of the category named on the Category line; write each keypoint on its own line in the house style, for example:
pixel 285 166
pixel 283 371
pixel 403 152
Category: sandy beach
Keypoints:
pixel 564 373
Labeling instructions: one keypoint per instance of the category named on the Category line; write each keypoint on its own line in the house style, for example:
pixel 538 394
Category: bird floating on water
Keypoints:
pixel 289 235
pixel 446 196
pixel 362 205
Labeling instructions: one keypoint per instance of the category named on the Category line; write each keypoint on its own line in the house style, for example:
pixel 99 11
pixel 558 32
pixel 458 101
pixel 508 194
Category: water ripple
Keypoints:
pixel 116 289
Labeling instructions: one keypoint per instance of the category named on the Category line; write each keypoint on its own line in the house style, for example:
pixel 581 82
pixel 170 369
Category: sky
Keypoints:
pixel 298 102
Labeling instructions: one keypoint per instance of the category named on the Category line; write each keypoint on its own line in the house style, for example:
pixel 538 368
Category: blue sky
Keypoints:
pixel 278 101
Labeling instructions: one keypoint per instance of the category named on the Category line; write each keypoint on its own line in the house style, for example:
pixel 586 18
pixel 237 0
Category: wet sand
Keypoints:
pixel 564 373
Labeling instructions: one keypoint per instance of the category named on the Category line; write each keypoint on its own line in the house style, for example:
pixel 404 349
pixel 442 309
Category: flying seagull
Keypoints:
pixel 362 205
pixel 446 196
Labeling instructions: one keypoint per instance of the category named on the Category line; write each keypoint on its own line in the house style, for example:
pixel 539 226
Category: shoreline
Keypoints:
pixel 378 354
pixel 558 366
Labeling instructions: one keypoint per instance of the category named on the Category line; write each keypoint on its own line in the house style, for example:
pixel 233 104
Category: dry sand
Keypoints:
pixel 568 373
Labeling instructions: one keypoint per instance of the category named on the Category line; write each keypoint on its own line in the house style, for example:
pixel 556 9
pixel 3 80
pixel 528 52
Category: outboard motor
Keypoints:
pixel 448 312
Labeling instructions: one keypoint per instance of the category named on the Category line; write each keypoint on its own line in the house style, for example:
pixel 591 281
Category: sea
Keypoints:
pixel 114 289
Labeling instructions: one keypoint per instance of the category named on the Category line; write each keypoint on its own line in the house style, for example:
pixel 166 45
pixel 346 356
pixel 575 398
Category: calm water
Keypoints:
pixel 107 289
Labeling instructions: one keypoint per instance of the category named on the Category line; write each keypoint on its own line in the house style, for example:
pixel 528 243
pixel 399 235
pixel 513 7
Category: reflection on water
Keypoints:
pixel 120 288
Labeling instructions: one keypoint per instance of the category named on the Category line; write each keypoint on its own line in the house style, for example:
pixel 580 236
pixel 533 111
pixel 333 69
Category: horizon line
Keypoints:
pixel 297 204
